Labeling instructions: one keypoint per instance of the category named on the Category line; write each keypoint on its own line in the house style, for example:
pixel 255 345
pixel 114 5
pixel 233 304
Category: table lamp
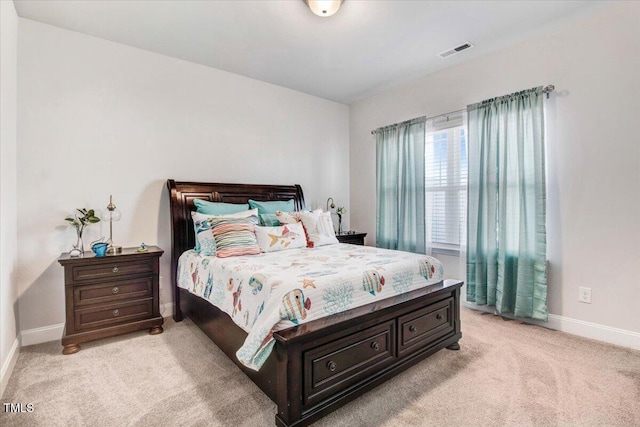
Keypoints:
pixel 112 214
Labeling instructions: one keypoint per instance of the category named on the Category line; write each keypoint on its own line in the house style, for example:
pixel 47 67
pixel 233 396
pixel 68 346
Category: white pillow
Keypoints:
pixel 288 217
pixel 325 234
pixel 325 225
pixel 286 236
pixel 310 220
pixel 318 224
pixel 319 228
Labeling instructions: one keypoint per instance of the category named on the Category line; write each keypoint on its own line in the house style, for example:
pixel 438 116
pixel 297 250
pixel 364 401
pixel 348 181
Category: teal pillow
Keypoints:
pixel 269 220
pixel 219 208
pixel 265 208
pixel 216 208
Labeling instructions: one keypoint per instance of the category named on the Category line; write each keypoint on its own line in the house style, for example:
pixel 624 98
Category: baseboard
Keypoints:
pixel 581 328
pixel 166 310
pixel 8 365
pixel 40 335
pixel 54 332
pixel 594 331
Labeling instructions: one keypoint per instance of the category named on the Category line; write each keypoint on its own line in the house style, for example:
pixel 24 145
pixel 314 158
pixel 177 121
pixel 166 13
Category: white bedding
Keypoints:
pixel 273 291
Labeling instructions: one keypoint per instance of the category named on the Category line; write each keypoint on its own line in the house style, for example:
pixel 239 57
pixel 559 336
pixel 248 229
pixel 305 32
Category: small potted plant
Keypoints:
pixel 340 211
pixel 85 218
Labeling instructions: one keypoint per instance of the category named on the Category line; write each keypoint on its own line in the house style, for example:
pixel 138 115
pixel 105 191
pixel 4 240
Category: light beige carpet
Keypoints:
pixel 506 374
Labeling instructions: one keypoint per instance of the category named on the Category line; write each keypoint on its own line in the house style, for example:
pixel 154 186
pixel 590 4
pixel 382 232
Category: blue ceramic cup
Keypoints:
pixel 100 249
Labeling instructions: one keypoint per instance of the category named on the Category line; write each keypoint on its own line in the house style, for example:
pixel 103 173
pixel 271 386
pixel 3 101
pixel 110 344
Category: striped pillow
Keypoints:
pixel 235 236
pixel 205 242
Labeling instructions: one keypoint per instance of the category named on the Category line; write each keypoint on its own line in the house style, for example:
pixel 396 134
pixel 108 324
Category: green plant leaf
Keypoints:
pixel 88 217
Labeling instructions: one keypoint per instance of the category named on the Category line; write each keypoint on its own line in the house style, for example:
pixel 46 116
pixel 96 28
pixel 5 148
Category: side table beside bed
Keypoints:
pixel 110 295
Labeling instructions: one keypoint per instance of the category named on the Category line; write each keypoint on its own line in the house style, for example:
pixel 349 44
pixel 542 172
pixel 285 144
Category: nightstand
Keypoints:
pixel 110 295
pixel 354 238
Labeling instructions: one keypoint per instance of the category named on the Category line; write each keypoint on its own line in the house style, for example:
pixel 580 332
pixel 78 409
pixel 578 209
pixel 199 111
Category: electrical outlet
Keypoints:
pixel 160 280
pixel 584 294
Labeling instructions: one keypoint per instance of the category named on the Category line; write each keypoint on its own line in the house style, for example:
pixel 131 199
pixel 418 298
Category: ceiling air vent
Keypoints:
pixel 455 50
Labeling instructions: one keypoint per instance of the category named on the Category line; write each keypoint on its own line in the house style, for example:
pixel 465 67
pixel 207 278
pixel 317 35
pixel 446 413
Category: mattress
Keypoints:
pixel 273 291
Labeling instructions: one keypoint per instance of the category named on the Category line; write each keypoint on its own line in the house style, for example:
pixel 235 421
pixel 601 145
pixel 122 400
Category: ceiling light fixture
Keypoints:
pixel 324 8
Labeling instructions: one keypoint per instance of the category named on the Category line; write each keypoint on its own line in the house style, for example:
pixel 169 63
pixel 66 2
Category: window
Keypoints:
pixel 446 181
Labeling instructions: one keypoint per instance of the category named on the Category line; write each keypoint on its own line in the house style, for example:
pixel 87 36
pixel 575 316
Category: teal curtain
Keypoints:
pixel 400 220
pixel 506 232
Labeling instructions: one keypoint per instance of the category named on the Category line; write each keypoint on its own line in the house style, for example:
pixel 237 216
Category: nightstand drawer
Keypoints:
pixel 112 314
pixel 111 270
pixel 113 291
pixel 428 323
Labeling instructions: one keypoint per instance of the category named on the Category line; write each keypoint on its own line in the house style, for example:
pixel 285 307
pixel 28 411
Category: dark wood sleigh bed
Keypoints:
pixel 318 366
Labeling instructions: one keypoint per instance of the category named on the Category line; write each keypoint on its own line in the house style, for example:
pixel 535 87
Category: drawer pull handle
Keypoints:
pixel 332 366
pixel 115 269
pixel 116 312
pixel 115 290
pixel 375 345
pixel 439 316
pixel 413 329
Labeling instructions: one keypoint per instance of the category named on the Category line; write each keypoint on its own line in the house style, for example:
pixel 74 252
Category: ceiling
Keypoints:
pixel 364 49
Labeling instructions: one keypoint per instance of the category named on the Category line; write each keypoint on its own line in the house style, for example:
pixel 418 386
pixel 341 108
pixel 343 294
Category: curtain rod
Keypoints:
pixel 547 89
pixel 373 132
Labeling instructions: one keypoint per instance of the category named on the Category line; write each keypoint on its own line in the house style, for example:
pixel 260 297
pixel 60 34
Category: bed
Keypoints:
pixel 318 366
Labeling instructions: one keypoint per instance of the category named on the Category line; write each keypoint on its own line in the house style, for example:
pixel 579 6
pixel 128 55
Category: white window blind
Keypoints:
pixel 446 180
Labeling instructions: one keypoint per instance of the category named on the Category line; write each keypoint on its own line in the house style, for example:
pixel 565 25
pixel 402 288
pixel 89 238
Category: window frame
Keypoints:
pixel 451 123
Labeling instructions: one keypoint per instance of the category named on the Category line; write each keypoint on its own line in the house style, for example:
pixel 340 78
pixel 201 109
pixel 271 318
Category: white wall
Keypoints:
pixel 593 151
pixel 8 217
pixel 98 118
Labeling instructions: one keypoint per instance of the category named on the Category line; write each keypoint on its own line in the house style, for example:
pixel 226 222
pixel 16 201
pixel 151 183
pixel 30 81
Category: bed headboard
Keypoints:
pixel 182 195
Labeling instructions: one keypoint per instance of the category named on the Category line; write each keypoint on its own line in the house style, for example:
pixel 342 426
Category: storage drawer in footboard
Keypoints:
pixel 424 326
pixel 338 365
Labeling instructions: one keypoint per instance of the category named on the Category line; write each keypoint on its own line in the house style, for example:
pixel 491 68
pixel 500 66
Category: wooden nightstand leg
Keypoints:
pixel 70 349
pixel 156 330
pixel 454 346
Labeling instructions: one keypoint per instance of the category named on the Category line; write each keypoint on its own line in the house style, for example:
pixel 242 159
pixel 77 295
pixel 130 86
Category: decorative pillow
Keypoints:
pixel 272 207
pixel 294 218
pixel 218 208
pixel 325 226
pixel 234 236
pixel 287 236
pixel 317 224
pixel 324 233
pixel 202 226
pixel 269 220
pixel 288 217
pixel 205 242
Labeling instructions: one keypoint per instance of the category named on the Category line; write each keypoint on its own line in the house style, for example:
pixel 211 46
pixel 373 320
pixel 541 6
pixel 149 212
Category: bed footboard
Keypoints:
pixel 326 363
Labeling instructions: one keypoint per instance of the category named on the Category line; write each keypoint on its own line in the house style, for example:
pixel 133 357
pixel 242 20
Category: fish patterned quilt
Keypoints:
pixel 273 291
